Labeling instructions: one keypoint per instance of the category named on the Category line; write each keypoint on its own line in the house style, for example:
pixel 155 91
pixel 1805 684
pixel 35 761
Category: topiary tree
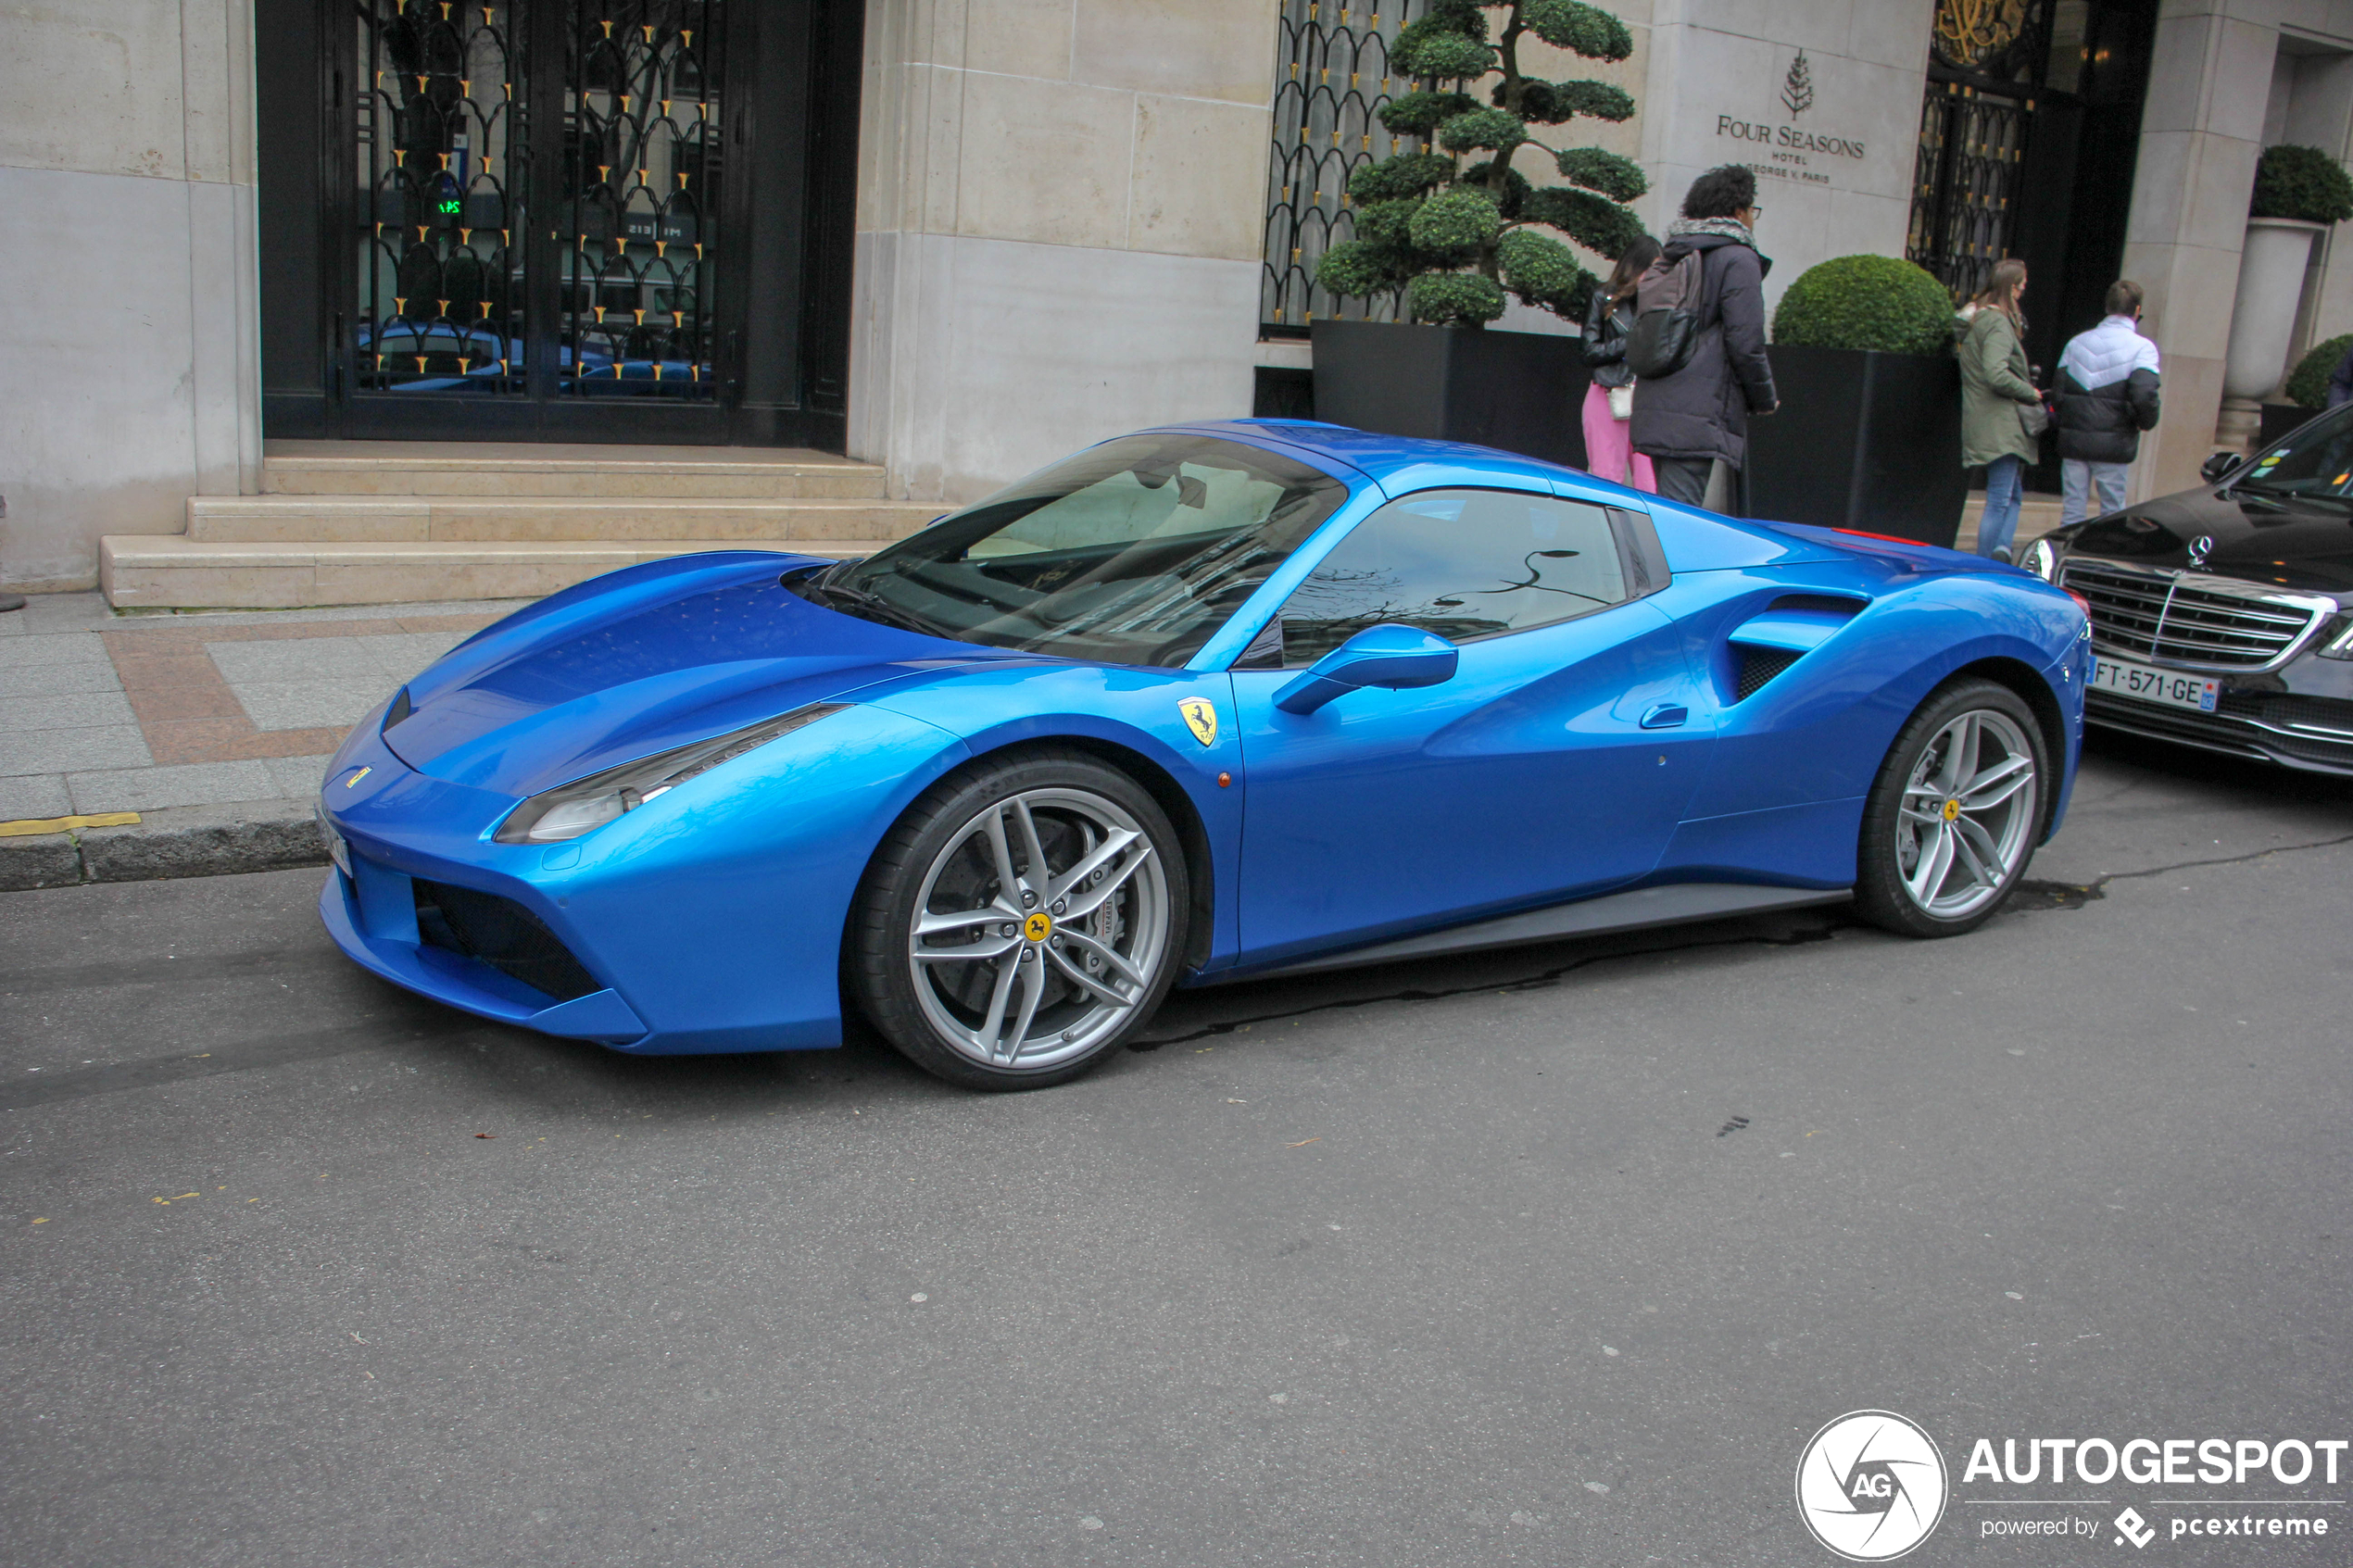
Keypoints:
pixel 2307 384
pixel 1866 302
pixel 1456 238
pixel 2301 182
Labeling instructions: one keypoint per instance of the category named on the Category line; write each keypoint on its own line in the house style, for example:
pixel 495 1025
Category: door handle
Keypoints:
pixel 1665 715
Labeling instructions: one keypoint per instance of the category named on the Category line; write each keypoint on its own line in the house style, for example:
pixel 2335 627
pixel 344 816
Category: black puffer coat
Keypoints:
pixel 1702 410
pixel 2102 424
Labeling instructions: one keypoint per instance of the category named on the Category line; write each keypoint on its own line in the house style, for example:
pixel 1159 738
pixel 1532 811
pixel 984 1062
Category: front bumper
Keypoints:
pixel 389 945
pixel 707 920
pixel 2287 728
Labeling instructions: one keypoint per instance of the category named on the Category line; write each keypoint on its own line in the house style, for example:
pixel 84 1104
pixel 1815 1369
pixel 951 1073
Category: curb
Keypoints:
pixel 255 835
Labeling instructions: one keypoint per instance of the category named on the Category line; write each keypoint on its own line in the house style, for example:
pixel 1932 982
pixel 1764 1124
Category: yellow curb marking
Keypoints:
pixel 26 827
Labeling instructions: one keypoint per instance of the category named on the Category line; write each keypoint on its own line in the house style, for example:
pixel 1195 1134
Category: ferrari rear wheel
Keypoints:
pixel 1953 818
pixel 1021 921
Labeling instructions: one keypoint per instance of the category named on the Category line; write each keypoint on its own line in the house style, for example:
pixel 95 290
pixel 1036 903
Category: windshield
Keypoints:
pixel 2314 463
pixel 1132 552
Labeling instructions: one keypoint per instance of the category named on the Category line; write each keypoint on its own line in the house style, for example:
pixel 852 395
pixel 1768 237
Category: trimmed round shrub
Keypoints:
pixel 1866 302
pixel 1451 299
pixel 2301 182
pixel 1454 223
pixel 2307 384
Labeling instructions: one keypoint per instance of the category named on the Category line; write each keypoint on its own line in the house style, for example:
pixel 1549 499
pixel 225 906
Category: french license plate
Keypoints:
pixel 337 851
pixel 2168 687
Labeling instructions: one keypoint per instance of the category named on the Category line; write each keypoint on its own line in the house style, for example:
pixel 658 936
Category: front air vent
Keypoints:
pixel 502 933
pixel 1759 665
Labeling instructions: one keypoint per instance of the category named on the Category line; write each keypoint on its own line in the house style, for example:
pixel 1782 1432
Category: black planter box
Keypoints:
pixel 2281 418
pixel 1518 392
pixel 1863 440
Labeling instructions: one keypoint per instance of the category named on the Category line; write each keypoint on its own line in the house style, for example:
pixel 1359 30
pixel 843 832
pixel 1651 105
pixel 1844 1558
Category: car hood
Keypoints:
pixel 643 660
pixel 2282 543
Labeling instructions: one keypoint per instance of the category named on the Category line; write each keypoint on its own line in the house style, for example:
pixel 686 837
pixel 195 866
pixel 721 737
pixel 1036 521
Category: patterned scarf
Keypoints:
pixel 1728 228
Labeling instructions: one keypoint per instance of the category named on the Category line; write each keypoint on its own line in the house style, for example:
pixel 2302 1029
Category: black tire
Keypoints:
pixel 1992 845
pixel 920 1005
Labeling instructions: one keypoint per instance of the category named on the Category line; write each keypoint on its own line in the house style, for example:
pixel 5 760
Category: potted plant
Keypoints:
pixel 2299 193
pixel 1869 435
pixel 1456 231
pixel 2306 389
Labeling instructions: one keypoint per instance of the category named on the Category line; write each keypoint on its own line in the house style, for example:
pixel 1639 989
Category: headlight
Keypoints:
pixel 2042 558
pixel 585 805
pixel 2340 640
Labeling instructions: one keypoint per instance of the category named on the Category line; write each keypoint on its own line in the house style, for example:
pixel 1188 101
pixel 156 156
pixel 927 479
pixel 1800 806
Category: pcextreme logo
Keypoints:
pixel 1870 1486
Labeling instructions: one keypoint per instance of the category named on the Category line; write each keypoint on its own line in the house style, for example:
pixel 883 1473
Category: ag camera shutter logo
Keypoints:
pixel 1871 1486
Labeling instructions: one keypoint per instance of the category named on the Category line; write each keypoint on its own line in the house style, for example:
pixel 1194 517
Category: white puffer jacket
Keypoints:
pixel 2107 393
pixel 2108 354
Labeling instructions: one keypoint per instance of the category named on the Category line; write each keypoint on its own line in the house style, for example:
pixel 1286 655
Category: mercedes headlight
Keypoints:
pixel 585 805
pixel 2339 643
pixel 2042 558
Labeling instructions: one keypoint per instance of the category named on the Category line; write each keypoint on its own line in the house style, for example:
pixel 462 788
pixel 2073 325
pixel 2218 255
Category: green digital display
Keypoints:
pixel 450 207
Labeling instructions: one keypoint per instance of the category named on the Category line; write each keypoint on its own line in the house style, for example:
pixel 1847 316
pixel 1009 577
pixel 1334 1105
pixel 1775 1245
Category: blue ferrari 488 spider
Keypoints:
pixel 1204 703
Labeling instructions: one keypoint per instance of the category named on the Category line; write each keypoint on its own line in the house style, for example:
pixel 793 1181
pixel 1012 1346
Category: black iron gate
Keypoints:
pixel 565 220
pixel 1985 68
pixel 450 255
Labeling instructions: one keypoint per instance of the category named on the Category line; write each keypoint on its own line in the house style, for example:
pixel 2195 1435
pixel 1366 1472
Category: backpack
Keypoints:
pixel 1666 317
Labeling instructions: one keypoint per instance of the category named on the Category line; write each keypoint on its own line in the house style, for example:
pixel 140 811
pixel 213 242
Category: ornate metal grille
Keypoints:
pixel 642 155
pixel 449 275
pixel 1972 151
pixel 441 138
pixel 1987 67
pixel 1332 74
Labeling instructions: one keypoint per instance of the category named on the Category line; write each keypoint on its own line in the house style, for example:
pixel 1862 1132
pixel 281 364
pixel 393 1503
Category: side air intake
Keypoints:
pixel 1757 666
pixel 1789 628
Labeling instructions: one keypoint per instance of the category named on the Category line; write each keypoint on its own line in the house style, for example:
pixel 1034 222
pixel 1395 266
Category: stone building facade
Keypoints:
pixel 1056 217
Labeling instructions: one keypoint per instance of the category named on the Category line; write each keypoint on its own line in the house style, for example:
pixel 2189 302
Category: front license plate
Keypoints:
pixel 2169 688
pixel 337 851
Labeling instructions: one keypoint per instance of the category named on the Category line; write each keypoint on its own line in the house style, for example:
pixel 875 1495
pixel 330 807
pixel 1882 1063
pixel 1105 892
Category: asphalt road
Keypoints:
pixel 1553 1256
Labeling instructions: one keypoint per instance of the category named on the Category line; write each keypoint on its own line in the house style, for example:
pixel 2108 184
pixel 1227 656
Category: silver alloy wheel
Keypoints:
pixel 1038 928
pixel 1968 816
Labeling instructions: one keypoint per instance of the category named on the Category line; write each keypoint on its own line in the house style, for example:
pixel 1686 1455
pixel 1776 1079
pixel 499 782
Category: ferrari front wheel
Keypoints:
pixel 1021 921
pixel 1953 818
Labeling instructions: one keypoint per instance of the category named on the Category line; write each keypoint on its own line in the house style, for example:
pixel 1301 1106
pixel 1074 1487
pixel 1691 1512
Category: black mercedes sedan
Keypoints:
pixel 2222 616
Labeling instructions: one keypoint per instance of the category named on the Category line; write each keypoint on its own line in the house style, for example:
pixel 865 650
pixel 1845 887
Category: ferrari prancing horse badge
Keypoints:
pixel 1201 718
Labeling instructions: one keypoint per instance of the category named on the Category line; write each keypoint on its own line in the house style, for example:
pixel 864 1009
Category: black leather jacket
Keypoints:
pixel 1606 332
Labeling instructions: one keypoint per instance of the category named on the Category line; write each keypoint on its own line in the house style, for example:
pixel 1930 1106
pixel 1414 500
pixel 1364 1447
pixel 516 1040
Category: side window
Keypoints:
pixel 1460 563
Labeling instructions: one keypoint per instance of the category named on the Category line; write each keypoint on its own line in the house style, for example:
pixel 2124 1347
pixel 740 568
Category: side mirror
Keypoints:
pixel 2219 467
pixel 1391 656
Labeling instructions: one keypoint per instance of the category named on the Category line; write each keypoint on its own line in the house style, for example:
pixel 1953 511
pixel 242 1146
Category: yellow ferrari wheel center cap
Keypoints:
pixel 1952 810
pixel 1038 926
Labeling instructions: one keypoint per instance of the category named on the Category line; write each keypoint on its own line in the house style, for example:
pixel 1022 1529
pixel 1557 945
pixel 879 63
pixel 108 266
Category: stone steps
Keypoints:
pixel 357 522
pixel 142 571
pixel 433 468
pixel 437 518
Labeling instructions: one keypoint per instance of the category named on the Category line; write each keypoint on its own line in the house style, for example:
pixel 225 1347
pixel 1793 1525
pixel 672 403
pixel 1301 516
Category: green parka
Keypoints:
pixel 1994 383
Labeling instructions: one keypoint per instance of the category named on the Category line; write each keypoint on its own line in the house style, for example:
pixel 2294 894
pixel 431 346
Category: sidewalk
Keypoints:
pixel 2037 517
pixel 141 746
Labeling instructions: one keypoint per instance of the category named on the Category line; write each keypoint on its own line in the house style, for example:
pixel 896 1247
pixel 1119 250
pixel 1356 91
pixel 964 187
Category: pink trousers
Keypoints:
pixel 1609 445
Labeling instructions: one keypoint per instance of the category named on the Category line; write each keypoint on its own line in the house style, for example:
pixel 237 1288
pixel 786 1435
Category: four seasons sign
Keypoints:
pixel 1786 151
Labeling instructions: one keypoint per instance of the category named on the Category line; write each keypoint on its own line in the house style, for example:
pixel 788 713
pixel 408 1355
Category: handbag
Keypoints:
pixel 2034 419
pixel 1621 401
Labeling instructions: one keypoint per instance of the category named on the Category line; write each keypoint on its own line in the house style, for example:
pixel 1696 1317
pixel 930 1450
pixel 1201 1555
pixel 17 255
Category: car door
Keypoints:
pixel 1555 763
